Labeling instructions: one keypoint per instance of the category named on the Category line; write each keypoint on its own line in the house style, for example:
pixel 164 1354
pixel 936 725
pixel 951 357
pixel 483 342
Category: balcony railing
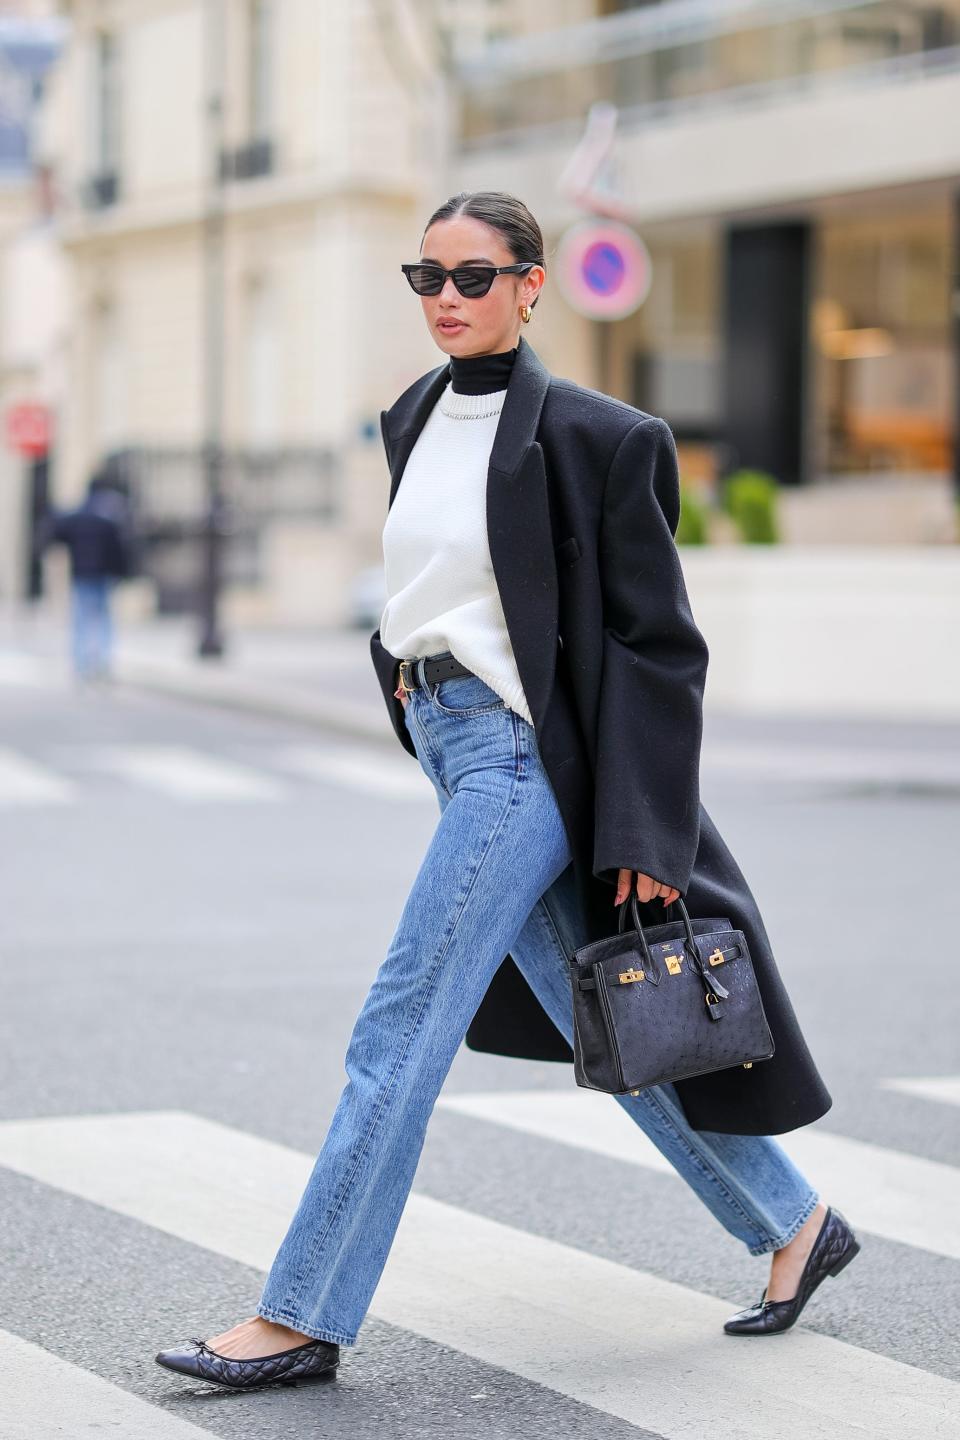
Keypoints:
pixel 687 55
pixel 168 494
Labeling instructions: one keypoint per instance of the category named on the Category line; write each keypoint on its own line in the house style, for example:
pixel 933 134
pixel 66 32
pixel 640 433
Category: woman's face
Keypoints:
pixel 484 326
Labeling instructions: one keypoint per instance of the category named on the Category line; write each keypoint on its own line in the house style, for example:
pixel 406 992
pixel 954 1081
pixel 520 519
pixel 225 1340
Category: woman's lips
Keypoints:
pixel 450 326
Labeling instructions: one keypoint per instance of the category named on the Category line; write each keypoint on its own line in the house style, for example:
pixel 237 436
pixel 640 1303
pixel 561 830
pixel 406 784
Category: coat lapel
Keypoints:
pixel 519 530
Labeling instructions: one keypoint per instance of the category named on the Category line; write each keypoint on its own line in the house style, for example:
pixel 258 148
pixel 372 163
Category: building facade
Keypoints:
pixel 794 172
pixel 32 302
pixel 237 182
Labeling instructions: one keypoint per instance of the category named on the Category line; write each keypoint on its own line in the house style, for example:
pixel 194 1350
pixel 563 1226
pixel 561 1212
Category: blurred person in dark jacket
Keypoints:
pixel 98 536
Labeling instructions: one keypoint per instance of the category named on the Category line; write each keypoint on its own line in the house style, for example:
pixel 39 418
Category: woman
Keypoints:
pixel 538 656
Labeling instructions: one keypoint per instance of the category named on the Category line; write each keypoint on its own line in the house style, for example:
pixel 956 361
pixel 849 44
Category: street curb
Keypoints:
pixel 342 717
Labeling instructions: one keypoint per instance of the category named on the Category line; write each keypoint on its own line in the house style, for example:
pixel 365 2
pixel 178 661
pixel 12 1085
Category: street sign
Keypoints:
pixel 28 429
pixel 603 269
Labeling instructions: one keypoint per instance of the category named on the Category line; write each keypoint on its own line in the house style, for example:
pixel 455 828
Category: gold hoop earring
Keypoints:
pixel 525 314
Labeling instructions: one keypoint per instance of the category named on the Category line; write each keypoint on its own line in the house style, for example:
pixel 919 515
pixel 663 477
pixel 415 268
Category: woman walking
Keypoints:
pixel 538 656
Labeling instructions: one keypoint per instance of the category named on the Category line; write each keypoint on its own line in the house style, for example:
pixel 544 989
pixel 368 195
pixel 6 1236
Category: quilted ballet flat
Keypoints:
pixel 834 1247
pixel 195 1358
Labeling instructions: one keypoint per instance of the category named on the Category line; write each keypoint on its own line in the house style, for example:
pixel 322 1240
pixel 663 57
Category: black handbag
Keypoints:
pixel 650 1006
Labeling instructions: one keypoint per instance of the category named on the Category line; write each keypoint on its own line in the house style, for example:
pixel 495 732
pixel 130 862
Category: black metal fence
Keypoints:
pixel 170 495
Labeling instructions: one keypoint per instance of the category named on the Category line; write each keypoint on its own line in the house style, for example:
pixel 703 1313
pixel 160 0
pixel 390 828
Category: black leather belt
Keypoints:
pixel 435 667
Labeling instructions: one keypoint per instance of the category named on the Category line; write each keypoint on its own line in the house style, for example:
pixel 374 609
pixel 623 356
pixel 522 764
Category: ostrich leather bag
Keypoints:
pixel 662 1002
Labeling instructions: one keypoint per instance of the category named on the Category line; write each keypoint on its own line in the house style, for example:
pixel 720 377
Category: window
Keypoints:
pixel 106 105
pixel 260 41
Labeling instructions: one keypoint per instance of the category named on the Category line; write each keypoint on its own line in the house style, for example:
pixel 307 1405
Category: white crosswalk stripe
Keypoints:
pixel 627 1343
pixel 19 671
pixel 46 1398
pixel 193 776
pixel 25 783
pixel 185 773
pixel 358 768
pixel 901 1197
pixel 945 1089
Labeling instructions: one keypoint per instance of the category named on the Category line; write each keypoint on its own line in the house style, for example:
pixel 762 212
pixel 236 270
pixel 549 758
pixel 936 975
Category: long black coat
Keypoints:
pixel 583 503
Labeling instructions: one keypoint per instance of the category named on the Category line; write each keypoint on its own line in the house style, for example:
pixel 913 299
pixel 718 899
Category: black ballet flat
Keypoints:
pixel 834 1247
pixel 195 1358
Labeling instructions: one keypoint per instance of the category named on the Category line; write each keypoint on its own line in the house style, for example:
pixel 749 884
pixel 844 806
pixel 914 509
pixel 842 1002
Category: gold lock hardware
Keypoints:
pixel 748 1064
pixel 715 957
pixel 673 963
pixel 627 977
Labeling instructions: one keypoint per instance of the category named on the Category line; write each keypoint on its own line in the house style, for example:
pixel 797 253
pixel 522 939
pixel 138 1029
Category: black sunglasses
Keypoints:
pixel 471 280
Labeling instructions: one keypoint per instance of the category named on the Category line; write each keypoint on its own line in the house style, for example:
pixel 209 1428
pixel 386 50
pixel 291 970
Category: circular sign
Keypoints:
pixel 603 269
pixel 28 429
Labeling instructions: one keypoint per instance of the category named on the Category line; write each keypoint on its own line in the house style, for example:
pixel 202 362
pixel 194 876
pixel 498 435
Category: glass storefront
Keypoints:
pixel 881 346
pixel 880 365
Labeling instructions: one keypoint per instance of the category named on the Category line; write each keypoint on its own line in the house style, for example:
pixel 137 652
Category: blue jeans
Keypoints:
pixel 91 628
pixel 495 878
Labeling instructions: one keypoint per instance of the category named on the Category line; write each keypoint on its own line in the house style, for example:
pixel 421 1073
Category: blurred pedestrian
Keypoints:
pixel 98 536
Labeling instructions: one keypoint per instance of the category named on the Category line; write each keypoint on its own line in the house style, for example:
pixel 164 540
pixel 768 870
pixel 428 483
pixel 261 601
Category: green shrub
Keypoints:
pixel 692 527
pixel 750 499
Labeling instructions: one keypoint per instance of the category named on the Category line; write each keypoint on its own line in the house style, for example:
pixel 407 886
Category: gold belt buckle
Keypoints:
pixel 403 684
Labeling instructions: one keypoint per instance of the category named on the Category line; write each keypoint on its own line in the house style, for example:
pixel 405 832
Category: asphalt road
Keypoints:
pixel 193 906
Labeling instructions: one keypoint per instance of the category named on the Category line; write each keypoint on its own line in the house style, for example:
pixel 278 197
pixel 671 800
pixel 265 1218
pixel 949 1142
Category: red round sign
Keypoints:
pixel 28 429
pixel 604 269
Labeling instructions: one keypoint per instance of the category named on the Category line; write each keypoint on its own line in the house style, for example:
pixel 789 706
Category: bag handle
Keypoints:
pixel 639 927
pixel 710 981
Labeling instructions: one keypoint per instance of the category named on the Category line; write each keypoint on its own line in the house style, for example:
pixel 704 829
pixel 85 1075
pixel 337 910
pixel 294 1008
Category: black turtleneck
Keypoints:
pixel 481 374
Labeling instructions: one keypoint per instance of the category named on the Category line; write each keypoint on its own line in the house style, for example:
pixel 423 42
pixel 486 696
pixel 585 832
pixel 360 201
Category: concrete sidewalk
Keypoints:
pixel 326 681
pixel 832 633
pixel 323 678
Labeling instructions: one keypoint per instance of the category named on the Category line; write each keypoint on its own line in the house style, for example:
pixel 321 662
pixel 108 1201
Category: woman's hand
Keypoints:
pixel 647 887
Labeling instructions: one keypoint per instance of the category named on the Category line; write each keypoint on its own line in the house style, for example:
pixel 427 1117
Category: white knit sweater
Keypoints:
pixel 442 593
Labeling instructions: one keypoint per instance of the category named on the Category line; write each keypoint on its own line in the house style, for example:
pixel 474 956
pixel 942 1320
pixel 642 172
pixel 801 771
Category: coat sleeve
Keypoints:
pixel 650 721
pixel 385 665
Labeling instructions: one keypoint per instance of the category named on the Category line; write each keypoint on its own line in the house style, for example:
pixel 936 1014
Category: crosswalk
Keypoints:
pixel 189 775
pixel 608 1336
pixel 904 1198
pixel 25 782
pixel 24 672
pixel 945 1089
pixel 74 1402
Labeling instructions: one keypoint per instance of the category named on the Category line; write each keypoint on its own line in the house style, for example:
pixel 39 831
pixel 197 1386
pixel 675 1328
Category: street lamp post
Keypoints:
pixel 210 640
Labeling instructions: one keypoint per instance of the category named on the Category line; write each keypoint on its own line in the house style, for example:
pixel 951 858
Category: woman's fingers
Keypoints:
pixel 647 887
